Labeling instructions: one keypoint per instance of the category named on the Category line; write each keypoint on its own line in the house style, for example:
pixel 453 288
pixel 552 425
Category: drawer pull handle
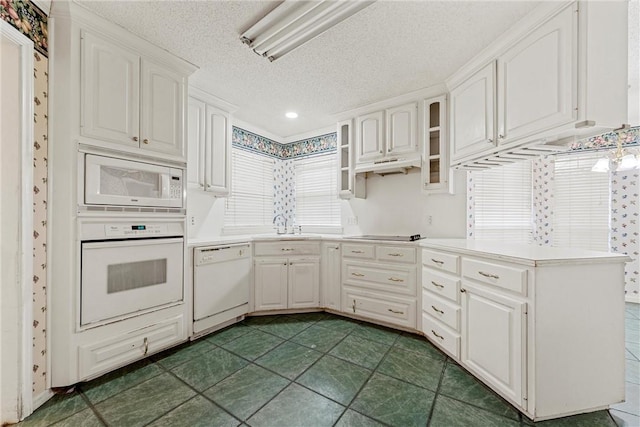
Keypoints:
pixel 146 346
pixel 354 306
pixel 437 284
pixel 437 261
pixel 395 311
pixel 396 255
pixel 357 274
pixel 437 311
pixel 489 275
pixel 436 334
pixel 286 249
pixel 357 252
pixel 395 279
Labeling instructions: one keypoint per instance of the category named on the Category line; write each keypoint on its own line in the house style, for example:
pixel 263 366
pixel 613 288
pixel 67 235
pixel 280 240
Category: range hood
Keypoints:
pixel 390 166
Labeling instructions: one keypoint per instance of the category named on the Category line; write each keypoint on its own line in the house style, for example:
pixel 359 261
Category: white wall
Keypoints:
pixel 395 205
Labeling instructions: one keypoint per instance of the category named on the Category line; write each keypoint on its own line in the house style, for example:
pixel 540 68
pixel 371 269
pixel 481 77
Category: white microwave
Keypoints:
pixel 119 182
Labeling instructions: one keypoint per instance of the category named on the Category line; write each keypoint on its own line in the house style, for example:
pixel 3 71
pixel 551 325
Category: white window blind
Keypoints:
pixel 317 202
pixel 502 203
pixel 581 203
pixel 251 201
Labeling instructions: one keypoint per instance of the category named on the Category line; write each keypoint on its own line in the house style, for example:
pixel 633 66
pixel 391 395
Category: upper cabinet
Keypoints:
pixel 387 135
pixel 473 113
pixel 209 144
pixel 370 137
pixel 548 79
pixel 349 184
pixel 436 175
pixel 128 99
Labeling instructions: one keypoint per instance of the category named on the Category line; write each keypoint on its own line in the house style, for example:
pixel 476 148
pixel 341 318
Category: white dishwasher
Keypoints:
pixel 221 281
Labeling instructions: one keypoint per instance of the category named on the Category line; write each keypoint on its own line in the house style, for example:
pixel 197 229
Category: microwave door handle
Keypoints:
pixel 165 182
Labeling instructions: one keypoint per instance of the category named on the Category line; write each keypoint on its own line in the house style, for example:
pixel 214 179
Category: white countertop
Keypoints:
pixel 519 253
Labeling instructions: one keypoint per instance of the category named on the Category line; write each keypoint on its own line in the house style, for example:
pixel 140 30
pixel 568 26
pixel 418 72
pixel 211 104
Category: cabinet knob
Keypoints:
pixel 146 141
pixel 490 140
pixel 500 136
pixel 463 290
pixel 388 150
pixel 135 138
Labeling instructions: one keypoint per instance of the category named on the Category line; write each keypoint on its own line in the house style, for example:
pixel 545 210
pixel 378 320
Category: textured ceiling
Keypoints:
pixel 387 49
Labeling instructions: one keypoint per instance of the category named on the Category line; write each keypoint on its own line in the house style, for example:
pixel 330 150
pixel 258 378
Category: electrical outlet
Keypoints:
pixel 429 219
pixel 192 220
pixel 353 220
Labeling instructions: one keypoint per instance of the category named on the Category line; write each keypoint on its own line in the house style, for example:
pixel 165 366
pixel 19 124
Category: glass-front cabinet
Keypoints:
pixel 436 175
pixel 349 184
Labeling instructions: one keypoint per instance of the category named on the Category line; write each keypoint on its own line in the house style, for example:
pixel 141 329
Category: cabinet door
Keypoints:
pixel 537 84
pixel 493 339
pixel 110 87
pixel 369 137
pixel 195 142
pixel 217 151
pixel 402 128
pixel 437 177
pixel 270 284
pixel 304 283
pixel 162 110
pixel 331 275
pixel 473 114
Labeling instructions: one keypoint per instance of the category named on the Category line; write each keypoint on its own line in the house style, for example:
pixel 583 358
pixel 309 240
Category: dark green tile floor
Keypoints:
pixel 312 369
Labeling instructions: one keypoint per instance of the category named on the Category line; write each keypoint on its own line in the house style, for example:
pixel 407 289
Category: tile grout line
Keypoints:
pixel 437 391
pixel 93 408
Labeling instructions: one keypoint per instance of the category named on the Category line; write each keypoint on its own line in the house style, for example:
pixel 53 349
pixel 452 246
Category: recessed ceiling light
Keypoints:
pixel 291 115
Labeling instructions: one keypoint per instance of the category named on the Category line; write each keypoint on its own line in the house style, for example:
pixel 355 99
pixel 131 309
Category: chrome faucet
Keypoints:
pixel 285 224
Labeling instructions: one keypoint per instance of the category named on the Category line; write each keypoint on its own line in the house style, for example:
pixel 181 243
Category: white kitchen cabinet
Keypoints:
pixel 473 113
pixel 290 280
pixel 528 319
pixel 531 97
pixel 547 79
pixel 349 184
pixel 304 282
pixel 128 99
pixel 209 145
pixel 437 177
pixel 370 137
pixel 379 282
pixel 402 129
pixel 271 283
pixel 493 339
pixel 330 277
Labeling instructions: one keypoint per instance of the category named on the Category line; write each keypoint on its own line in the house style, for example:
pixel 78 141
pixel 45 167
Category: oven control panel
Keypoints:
pixel 134 230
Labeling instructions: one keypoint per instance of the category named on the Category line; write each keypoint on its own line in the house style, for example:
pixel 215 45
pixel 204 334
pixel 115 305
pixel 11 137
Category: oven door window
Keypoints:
pixel 121 278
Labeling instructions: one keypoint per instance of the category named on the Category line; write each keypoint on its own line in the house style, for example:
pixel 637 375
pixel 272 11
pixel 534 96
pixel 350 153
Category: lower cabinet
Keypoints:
pixel 330 277
pixel 493 344
pixel 282 283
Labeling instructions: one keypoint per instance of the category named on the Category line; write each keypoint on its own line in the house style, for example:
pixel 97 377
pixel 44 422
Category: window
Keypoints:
pixel 317 203
pixel 502 203
pixel 581 203
pixel 250 205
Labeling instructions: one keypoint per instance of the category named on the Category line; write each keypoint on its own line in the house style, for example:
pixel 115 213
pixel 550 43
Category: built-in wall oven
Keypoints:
pixel 129 266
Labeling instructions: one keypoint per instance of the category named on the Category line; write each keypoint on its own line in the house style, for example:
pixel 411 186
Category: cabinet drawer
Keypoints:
pixel 389 278
pixel 396 254
pixel 399 311
pixel 441 261
pixel 511 278
pixel 441 336
pixel 109 354
pixel 441 284
pixel 350 250
pixel 443 310
pixel 286 248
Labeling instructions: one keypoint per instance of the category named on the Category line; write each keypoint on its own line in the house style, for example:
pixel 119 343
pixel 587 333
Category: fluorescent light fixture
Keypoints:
pixel 291 115
pixel 294 23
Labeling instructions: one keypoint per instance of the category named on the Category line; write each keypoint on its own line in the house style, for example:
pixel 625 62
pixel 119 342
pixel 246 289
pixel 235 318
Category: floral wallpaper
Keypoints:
pixel 260 144
pixel 284 188
pixel 542 169
pixel 625 228
pixel 610 139
pixel 28 19
pixel 40 147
